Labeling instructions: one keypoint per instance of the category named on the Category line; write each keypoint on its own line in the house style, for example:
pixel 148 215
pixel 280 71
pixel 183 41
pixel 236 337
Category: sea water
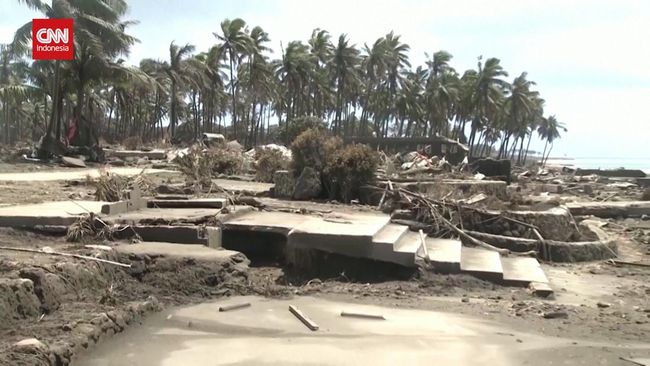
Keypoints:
pixel 603 163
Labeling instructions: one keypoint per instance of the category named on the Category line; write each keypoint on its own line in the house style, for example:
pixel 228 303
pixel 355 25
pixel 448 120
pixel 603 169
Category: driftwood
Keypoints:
pixel 78 256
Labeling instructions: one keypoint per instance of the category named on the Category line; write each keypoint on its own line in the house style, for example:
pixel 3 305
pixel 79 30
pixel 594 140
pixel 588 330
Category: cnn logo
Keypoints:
pixel 49 35
pixel 52 39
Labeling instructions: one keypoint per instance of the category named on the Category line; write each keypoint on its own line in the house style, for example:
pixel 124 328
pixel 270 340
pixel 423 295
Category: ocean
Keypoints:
pixel 603 163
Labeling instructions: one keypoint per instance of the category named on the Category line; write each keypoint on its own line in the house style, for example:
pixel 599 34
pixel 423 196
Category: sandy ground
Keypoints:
pixel 267 333
pixel 605 308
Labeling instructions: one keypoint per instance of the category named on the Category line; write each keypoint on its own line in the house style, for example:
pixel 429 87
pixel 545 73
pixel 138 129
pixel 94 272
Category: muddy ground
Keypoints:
pixel 70 304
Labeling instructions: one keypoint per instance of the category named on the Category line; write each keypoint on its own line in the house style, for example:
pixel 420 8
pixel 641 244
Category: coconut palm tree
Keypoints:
pixel 344 75
pixel 99 40
pixel 549 130
pixel 235 43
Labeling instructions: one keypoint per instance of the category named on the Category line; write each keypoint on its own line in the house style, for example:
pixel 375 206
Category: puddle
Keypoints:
pixel 266 333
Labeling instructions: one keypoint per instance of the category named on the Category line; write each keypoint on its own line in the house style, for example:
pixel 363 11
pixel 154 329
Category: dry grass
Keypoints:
pixel 110 187
pixel 88 227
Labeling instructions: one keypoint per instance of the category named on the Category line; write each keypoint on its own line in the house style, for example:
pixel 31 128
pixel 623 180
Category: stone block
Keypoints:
pixel 214 236
pixel 115 208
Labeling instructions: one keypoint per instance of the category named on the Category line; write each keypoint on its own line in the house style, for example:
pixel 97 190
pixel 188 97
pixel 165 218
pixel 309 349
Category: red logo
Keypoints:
pixel 52 39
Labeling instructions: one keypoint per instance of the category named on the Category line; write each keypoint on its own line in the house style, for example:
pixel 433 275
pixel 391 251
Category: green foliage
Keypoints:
pixel 267 161
pixel 311 148
pixel 348 169
pixel 299 125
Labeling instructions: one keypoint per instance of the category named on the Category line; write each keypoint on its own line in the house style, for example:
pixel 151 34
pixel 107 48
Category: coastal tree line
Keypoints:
pixel 241 88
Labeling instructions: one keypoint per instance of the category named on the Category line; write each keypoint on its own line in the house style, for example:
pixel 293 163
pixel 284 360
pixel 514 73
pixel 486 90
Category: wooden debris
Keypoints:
pixel 303 318
pixel 78 256
pixel 234 306
pixel 362 315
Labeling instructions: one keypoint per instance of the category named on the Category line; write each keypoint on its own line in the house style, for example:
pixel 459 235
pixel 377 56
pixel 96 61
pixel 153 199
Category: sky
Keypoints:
pixel 589 58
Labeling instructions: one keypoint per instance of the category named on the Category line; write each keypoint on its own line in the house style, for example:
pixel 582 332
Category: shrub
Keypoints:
pixel 296 126
pixel 196 166
pixel 311 148
pixel 226 160
pixel 348 169
pixel 132 143
pixel 267 161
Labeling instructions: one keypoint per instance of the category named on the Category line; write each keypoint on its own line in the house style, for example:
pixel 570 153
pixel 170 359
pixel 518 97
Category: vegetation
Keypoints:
pixel 312 149
pixel 267 162
pixel 236 88
pixel 349 169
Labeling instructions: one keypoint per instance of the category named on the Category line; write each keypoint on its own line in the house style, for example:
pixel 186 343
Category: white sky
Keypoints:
pixel 590 58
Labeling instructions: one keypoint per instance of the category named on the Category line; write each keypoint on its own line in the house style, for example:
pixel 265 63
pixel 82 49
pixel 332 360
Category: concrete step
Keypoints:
pixel 390 234
pixel 408 243
pixel 482 263
pixel 444 254
pixel 188 203
pixel 521 271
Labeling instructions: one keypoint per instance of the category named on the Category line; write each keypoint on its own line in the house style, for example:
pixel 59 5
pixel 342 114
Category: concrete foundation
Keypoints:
pixel 440 188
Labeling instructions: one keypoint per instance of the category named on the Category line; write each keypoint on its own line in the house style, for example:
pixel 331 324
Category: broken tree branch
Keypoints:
pixel 78 256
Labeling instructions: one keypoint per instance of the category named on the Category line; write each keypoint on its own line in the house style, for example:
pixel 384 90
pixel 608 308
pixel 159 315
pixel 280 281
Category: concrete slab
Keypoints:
pixel 199 252
pixel 610 209
pixel 390 234
pixel 346 234
pixel 47 213
pixel 521 271
pixel 482 263
pixel 280 222
pixel 188 203
pixel 75 174
pixel 241 186
pixel 163 216
pixel 444 254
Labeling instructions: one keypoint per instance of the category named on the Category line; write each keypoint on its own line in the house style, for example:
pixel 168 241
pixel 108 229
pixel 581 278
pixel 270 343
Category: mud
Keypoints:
pixel 69 305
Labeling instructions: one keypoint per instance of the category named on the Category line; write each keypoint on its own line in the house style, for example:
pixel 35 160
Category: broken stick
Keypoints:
pixel 234 306
pixel 423 244
pixel 361 315
pixel 78 256
pixel 303 318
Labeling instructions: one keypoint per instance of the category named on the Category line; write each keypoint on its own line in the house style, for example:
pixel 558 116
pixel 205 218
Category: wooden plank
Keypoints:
pixel 303 318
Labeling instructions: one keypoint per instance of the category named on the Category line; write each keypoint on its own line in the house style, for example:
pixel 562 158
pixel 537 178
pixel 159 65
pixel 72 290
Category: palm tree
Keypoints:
pixel 100 39
pixel 442 92
pixel 488 95
pixel 235 42
pixel 178 77
pixel 344 73
pixel 549 130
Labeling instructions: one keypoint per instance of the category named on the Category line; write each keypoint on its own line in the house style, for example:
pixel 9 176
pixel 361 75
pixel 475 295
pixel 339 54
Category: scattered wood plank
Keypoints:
pixel 234 306
pixel 303 318
pixel 362 315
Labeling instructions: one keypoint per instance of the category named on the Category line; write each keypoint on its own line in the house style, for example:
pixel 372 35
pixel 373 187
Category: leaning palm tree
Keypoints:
pixel 549 130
